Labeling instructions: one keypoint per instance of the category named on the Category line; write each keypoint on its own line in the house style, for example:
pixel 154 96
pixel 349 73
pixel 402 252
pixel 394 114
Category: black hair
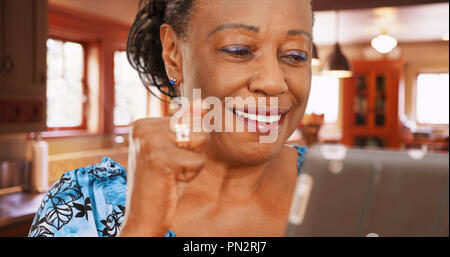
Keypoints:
pixel 144 45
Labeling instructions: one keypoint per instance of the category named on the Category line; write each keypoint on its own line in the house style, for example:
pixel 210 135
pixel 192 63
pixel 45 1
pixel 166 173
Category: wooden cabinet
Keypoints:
pixel 2 44
pixel 23 64
pixel 373 101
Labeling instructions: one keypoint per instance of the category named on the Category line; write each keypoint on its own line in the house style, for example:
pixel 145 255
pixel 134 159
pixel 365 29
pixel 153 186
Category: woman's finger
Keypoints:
pixel 191 122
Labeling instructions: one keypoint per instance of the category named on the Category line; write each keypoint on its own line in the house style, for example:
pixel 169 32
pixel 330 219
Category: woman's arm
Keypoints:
pixel 64 211
pixel 85 202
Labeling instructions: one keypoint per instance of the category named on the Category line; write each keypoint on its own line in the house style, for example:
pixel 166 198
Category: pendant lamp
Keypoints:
pixel 384 43
pixel 337 64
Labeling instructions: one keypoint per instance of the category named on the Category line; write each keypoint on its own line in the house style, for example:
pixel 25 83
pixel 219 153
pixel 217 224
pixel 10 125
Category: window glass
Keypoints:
pixel 131 97
pixel 432 98
pixel 65 69
pixel 324 97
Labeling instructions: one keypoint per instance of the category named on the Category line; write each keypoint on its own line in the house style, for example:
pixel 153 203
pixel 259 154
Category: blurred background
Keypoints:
pixel 68 94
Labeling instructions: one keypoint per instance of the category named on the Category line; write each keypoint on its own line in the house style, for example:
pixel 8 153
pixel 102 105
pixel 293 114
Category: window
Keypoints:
pixel 324 97
pixel 131 97
pixel 65 84
pixel 432 102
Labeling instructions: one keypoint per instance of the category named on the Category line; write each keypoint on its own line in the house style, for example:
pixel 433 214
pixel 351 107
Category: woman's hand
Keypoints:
pixel 158 170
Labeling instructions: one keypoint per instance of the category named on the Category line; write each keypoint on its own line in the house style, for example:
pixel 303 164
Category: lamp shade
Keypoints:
pixel 337 64
pixel 384 43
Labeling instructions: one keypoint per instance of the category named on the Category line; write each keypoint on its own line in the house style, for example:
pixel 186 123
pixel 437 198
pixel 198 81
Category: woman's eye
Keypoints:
pixel 296 56
pixel 237 51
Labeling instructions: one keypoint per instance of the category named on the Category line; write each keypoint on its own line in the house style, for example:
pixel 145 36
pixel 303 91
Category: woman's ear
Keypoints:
pixel 171 52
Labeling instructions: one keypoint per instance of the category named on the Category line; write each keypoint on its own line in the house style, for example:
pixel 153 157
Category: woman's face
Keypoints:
pixel 250 48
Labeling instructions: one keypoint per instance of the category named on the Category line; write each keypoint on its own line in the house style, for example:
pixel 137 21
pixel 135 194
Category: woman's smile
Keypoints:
pixel 261 120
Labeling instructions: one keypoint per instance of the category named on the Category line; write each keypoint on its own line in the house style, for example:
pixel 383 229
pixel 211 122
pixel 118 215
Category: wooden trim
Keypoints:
pixel 85 91
pixel 34 39
pixel 107 88
pixel 79 15
pixel 84 26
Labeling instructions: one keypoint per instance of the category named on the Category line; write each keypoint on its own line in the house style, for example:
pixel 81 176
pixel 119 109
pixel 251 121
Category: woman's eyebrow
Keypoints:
pixel 292 32
pixel 295 32
pixel 234 26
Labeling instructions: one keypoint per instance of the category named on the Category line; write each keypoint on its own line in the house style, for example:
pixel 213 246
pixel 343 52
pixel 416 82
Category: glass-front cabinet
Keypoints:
pixel 380 101
pixel 372 104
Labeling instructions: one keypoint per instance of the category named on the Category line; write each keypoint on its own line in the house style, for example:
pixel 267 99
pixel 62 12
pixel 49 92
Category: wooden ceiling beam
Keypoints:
pixel 329 5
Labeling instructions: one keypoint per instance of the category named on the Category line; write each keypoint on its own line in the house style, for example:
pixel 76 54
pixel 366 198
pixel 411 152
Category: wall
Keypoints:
pixel 122 11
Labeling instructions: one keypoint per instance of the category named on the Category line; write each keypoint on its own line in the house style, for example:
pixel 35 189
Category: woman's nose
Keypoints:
pixel 269 78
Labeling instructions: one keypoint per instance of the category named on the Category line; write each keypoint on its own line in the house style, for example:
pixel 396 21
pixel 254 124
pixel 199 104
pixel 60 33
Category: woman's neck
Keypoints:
pixel 224 183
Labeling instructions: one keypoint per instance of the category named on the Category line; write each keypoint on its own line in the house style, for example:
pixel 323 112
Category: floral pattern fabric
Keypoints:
pixel 90 202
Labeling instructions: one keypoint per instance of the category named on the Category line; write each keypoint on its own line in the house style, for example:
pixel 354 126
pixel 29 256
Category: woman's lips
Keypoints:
pixel 260 120
pixel 262 110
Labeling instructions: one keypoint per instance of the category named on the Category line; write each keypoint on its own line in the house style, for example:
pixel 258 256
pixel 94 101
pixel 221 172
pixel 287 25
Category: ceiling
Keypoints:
pixel 122 11
pixel 413 23
pixel 329 5
pixel 428 22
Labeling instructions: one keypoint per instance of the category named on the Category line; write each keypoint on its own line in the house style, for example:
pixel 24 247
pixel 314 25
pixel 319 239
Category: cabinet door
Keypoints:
pixel 24 46
pixel 381 104
pixel 371 115
pixel 361 100
pixel 2 44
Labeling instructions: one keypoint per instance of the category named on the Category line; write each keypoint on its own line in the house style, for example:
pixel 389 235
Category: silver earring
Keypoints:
pixel 172 81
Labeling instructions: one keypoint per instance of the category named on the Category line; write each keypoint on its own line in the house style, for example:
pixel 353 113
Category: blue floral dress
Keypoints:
pixel 90 202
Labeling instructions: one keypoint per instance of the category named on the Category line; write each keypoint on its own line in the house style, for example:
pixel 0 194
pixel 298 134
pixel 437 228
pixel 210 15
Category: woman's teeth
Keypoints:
pixel 258 118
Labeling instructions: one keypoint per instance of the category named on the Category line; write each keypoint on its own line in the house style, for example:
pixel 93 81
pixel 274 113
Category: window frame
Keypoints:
pixel 101 36
pixel 85 91
pixel 436 125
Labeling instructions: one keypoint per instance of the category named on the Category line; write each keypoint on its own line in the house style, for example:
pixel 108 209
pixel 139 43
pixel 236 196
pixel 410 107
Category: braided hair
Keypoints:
pixel 144 49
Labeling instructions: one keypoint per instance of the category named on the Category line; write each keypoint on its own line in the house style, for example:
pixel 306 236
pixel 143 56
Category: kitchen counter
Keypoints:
pixel 61 163
pixel 17 208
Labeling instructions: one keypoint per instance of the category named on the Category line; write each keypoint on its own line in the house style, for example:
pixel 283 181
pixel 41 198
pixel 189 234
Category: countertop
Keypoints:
pixel 18 207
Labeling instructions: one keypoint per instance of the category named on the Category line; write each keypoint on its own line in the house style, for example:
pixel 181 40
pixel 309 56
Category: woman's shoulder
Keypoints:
pixel 297 153
pixel 107 168
pixel 88 201
pixel 287 166
pixel 108 177
pixel 285 170
pixel 106 180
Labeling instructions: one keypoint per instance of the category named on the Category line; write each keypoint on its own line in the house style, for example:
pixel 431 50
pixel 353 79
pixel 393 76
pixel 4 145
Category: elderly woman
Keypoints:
pixel 212 184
